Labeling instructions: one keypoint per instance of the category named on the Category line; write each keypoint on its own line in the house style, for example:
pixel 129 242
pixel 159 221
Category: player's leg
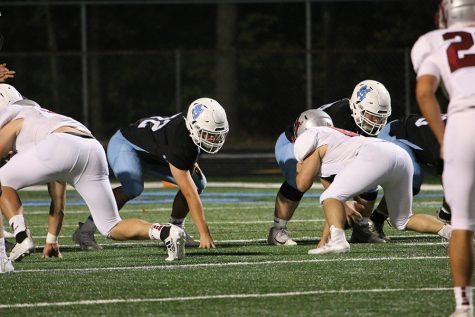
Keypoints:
pixel 398 192
pixel 5 263
pixel 459 187
pixel 39 164
pixel 380 214
pixel 288 196
pixel 126 165
pixel 180 207
pixel 94 187
pixel 362 174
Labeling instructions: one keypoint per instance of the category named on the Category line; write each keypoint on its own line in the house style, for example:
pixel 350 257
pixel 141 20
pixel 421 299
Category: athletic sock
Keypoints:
pixel 280 223
pixel 3 251
pixel 159 232
pixel 463 297
pixel 19 227
pixel 180 222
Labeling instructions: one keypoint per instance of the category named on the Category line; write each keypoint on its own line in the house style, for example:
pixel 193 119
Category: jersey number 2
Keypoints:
pixel 466 42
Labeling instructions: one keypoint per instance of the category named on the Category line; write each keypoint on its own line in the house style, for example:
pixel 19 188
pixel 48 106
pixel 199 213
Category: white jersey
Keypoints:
pixel 38 122
pixel 342 147
pixel 449 54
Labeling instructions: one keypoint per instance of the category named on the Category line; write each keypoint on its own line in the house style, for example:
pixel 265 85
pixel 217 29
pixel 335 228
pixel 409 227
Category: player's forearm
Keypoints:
pixel 430 109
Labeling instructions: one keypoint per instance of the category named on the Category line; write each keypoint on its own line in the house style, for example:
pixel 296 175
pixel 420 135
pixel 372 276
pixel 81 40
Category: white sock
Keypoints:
pixel 280 223
pixel 17 223
pixel 463 297
pixel 3 251
pixel 337 234
pixel 154 231
pixel 180 222
pixel 445 232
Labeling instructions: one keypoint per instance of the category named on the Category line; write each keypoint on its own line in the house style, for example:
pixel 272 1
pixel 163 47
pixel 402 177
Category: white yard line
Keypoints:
pixel 177 266
pixel 221 296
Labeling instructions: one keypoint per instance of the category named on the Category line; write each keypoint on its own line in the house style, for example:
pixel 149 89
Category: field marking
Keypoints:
pixel 174 265
pixel 222 296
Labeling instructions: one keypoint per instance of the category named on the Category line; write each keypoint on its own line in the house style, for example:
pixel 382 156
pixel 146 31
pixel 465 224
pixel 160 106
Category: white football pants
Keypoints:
pixel 81 162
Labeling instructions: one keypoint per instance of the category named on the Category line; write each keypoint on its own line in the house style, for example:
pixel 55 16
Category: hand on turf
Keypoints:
pixel 206 242
pixel 51 250
pixel 352 214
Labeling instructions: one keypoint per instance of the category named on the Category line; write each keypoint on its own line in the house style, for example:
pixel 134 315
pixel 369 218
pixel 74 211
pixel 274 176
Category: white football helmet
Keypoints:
pixel 311 118
pixel 206 120
pixel 456 13
pixel 370 106
pixel 8 95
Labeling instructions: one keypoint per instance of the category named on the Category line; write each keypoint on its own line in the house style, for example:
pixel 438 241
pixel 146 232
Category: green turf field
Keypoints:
pixel 242 277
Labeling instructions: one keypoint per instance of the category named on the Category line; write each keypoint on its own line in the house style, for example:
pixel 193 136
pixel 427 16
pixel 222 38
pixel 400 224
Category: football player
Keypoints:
pixel 166 148
pixel 327 151
pixel 56 189
pixel 447 56
pixel 365 113
pixel 52 147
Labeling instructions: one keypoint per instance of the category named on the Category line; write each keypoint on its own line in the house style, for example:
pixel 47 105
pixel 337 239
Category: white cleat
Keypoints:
pixel 279 236
pixel 21 250
pixel 463 312
pixel 6 265
pixel 332 247
pixel 175 243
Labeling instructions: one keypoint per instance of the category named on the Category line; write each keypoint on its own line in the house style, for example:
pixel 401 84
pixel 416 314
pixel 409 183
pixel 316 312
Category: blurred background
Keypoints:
pixel 108 63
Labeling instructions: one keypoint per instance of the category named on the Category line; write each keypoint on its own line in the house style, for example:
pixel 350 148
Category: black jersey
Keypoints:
pixel 342 116
pixel 164 139
pixel 416 130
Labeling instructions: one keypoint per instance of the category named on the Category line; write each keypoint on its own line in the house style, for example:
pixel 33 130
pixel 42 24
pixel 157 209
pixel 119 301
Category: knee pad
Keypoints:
pixel 133 189
pixel 290 193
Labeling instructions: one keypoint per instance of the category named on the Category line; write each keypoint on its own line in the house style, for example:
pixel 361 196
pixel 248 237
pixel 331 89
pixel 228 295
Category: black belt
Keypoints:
pixel 85 136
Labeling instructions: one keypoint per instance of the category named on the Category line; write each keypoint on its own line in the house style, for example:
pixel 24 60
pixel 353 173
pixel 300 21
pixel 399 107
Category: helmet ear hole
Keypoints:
pixel 207 123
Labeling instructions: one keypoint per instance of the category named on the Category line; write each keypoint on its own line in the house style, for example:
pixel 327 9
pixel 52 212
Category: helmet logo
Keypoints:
pixel 197 110
pixel 361 94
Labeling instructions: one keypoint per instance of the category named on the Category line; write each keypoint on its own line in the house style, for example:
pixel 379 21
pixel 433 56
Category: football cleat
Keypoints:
pixel 463 312
pixel 444 216
pixel 6 265
pixel 341 246
pixel 23 249
pixel 175 243
pixel 190 242
pixel 364 232
pixel 84 236
pixel 279 236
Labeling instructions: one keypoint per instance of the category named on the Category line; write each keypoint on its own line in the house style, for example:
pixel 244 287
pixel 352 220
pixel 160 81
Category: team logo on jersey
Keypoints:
pixel 197 110
pixel 361 94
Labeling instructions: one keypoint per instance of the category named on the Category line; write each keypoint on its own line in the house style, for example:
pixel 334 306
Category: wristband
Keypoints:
pixel 51 238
